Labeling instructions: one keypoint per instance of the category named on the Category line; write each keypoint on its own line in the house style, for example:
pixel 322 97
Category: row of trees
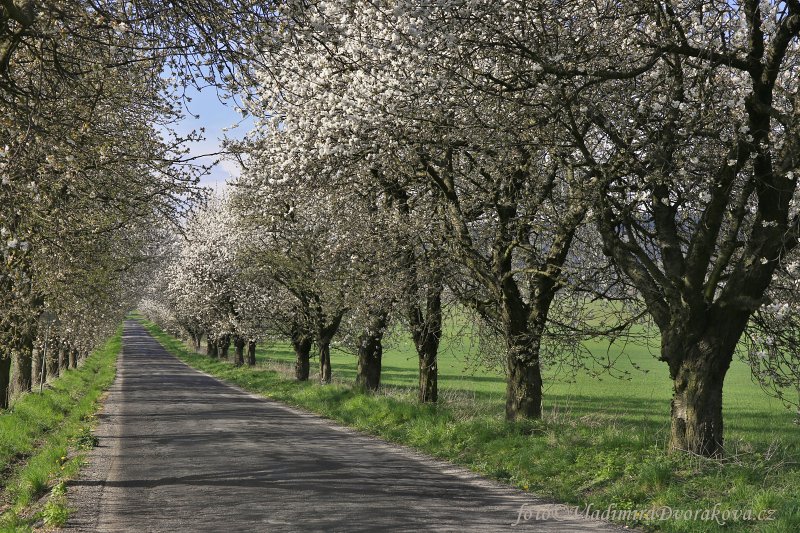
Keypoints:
pixel 520 158
pixel 91 167
pixel 525 158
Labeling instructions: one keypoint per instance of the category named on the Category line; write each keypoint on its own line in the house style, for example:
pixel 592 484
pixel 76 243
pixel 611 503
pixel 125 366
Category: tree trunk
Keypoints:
pixel 5 380
pixel 301 342
pixel 63 358
pixel 238 343
pixel 52 359
pixel 370 353
pixel 426 331
pixel 211 348
pixel 428 376
pixel 196 340
pixel 37 365
pixel 73 358
pixel 251 353
pixel 21 374
pixel 325 333
pixel 224 346
pixel 325 373
pixel 696 408
pixel 524 326
pixel 302 354
pixel 524 386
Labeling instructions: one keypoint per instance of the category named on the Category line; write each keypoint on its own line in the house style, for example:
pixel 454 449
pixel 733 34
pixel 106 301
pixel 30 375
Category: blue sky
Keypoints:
pixel 214 116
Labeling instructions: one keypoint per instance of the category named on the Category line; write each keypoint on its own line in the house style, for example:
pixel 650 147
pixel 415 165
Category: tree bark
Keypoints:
pixel 524 330
pixel 211 348
pixel 428 375
pixel 36 366
pixel 63 358
pixel 301 342
pixel 251 353
pixel 370 353
pixel 524 386
pixel 426 331
pixel 21 360
pixel 325 333
pixel 238 343
pixel 325 372
pixel 52 358
pixel 5 380
pixel 224 346
pixel 524 327
pixel 697 413
pixel 302 354
pixel 698 372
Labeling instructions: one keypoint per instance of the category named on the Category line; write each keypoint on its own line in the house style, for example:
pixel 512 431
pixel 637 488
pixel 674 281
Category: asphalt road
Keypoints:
pixel 180 451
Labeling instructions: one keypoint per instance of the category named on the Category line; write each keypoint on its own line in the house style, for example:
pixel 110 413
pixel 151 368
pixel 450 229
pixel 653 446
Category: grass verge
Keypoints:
pixel 604 462
pixel 43 437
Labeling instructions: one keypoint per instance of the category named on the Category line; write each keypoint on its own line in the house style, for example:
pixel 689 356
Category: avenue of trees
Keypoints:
pixel 529 162
pixel 92 171
pixel 554 170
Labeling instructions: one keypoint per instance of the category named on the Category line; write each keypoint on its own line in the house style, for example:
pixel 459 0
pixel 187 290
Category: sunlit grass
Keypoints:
pixel 40 435
pixel 642 399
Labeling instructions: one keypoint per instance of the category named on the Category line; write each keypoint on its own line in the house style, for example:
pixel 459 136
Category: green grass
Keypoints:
pixel 602 442
pixel 42 438
pixel 643 399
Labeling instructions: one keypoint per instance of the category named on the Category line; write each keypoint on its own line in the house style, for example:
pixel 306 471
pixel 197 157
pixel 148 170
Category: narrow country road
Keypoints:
pixel 180 451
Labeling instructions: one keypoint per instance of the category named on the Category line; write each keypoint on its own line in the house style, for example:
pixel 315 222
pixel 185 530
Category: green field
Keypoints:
pixel 642 399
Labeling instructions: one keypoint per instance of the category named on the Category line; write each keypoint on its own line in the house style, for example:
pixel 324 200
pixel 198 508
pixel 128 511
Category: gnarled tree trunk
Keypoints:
pixel 224 346
pixel 21 361
pixel 523 336
pixel 302 355
pixel 211 348
pixel 63 358
pixel 698 364
pixel 5 380
pixel 697 412
pixel 325 373
pixel 426 331
pixel 301 343
pixel 52 358
pixel 370 353
pixel 524 385
pixel 73 358
pixel 325 333
pixel 428 375
pixel 238 343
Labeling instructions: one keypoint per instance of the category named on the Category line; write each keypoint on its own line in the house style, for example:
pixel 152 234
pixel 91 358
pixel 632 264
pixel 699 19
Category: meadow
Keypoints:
pixel 641 397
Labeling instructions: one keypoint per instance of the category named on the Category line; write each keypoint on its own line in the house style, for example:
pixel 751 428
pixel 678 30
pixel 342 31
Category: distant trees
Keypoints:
pixel 89 168
pixel 390 110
